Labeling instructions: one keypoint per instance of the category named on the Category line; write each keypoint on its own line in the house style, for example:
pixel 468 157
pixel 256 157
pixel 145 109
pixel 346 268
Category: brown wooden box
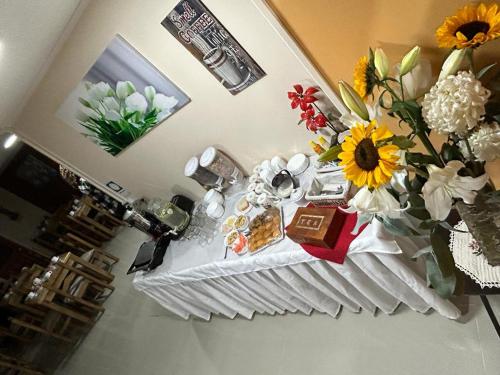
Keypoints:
pixel 316 226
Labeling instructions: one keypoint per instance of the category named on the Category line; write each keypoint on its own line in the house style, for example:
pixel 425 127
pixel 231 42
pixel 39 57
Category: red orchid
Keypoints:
pixel 301 97
pixel 320 120
pixel 313 123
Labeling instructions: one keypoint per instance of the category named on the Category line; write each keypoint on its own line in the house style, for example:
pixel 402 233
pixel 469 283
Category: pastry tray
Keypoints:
pixel 276 240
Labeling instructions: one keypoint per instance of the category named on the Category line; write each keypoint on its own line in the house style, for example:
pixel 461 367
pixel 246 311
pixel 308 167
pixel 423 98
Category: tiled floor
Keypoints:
pixel 137 336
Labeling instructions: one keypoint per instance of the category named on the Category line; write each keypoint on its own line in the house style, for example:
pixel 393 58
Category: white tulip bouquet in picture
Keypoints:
pixel 120 99
pixel 411 192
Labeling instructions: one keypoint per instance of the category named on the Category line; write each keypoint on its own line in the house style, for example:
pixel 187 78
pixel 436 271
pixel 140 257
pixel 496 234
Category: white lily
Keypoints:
pixel 381 63
pixel 150 93
pixel 418 81
pixel 136 103
pixel 99 91
pixel 352 119
pixel 164 103
pixel 410 60
pixel 376 202
pixel 452 63
pixel 163 115
pixel 111 104
pixel 352 100
pixel 112 115
pixel 124 89
pixel 444 184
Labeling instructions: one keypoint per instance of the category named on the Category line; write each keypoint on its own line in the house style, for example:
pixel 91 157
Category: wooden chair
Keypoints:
pixel 18 365
pixel 75 288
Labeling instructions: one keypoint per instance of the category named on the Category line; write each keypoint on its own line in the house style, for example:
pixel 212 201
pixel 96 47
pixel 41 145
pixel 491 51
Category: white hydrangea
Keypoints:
pixel 485 143
pixel 455 103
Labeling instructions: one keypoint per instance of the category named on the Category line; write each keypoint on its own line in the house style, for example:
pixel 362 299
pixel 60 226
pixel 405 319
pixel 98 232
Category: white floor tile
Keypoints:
pixel 137 336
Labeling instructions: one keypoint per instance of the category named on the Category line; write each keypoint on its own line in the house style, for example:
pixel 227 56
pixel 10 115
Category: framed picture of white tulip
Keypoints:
pixel 121 98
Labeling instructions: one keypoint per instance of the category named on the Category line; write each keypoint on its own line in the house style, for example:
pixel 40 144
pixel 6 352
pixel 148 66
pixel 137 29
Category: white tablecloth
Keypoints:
pixel 200 281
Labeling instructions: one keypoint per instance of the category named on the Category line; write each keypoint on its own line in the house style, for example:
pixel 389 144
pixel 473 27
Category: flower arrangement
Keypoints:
pixel 311 114
pixel 411 192
pixel 116 118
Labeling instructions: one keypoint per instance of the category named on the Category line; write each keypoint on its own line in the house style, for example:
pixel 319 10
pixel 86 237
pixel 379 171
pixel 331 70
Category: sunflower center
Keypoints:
pixel 470 29
pixel 366 155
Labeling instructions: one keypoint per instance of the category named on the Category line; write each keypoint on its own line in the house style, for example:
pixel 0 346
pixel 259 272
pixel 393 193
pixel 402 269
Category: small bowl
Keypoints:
pixel 297 164
pixel 231 237
pixel 242 202
pixel 245 221
pixel 240 245
pixel 228 224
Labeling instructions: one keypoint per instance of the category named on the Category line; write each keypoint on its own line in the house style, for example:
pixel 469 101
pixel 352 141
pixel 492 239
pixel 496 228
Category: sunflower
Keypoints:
pixel 471 26
pixel 365 161
pixel 364 71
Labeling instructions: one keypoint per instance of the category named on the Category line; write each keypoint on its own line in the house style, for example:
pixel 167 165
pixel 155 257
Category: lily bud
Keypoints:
pixel 452 63
pixel 353 101
pixel 381 63
pixel 124 89
pixel 410 60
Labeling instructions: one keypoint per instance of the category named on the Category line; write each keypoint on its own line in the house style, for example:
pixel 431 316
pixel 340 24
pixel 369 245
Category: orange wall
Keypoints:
pixel 335 33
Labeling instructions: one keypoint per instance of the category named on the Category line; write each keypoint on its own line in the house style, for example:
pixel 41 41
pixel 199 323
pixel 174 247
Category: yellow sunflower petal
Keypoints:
pixel 387 151
pixel 358 133
pixel 348 146
pixel 380 133
pixel 471 26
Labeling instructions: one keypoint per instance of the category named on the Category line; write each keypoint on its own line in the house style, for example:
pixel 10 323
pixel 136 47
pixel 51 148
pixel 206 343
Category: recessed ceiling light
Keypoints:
pixel 10 141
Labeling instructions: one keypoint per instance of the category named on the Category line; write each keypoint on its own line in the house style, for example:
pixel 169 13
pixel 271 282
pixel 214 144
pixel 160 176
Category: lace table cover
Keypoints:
pixel 470 260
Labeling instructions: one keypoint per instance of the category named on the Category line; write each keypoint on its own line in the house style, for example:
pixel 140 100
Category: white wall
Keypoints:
pixel 22 230
pixel 251 126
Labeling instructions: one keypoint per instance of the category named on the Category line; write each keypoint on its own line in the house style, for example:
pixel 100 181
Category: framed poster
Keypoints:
pixel 121 98
pixel 194 26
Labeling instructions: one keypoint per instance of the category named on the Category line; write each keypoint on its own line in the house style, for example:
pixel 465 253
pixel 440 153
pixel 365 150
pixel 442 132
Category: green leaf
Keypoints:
pixel 444 258
pixel 418 158
pixel 397 227
pixel 84 102
pixel 331 154
pixel 485 70
pixel 443 285
pixel 419 253
pixel 403 142
pixel 428 224
pixel 450 152
pixel 417 208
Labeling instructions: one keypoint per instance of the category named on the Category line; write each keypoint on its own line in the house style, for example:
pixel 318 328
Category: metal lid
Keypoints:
pixel 191 167
pixel 208 156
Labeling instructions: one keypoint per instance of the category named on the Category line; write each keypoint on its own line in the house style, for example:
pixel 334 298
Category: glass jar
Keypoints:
pixel 176 218
pixel 203 176
pixel 215 161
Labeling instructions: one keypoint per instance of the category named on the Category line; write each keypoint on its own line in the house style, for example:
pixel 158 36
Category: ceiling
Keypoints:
pixel 30 34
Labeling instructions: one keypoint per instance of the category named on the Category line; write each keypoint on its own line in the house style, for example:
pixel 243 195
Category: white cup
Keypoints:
pixel 254 178
pixel 266 164
pixel 278 164
pixel 267 200
pixel 215 210
pixel 267 175
pixel 251 197
pixel 263 188
pixel 252 186
pixel 213 196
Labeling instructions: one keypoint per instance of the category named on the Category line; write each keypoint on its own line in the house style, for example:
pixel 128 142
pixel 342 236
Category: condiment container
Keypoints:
pixel 203 176
pixel 215 161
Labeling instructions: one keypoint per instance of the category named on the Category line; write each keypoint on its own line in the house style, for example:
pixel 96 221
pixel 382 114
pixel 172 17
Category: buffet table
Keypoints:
pixel 376 274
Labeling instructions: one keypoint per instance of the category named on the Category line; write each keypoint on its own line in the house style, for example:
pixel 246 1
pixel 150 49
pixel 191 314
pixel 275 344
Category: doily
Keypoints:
pixel 469 259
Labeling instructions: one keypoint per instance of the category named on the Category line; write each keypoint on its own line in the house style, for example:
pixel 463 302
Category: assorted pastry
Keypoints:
pixel 264 229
